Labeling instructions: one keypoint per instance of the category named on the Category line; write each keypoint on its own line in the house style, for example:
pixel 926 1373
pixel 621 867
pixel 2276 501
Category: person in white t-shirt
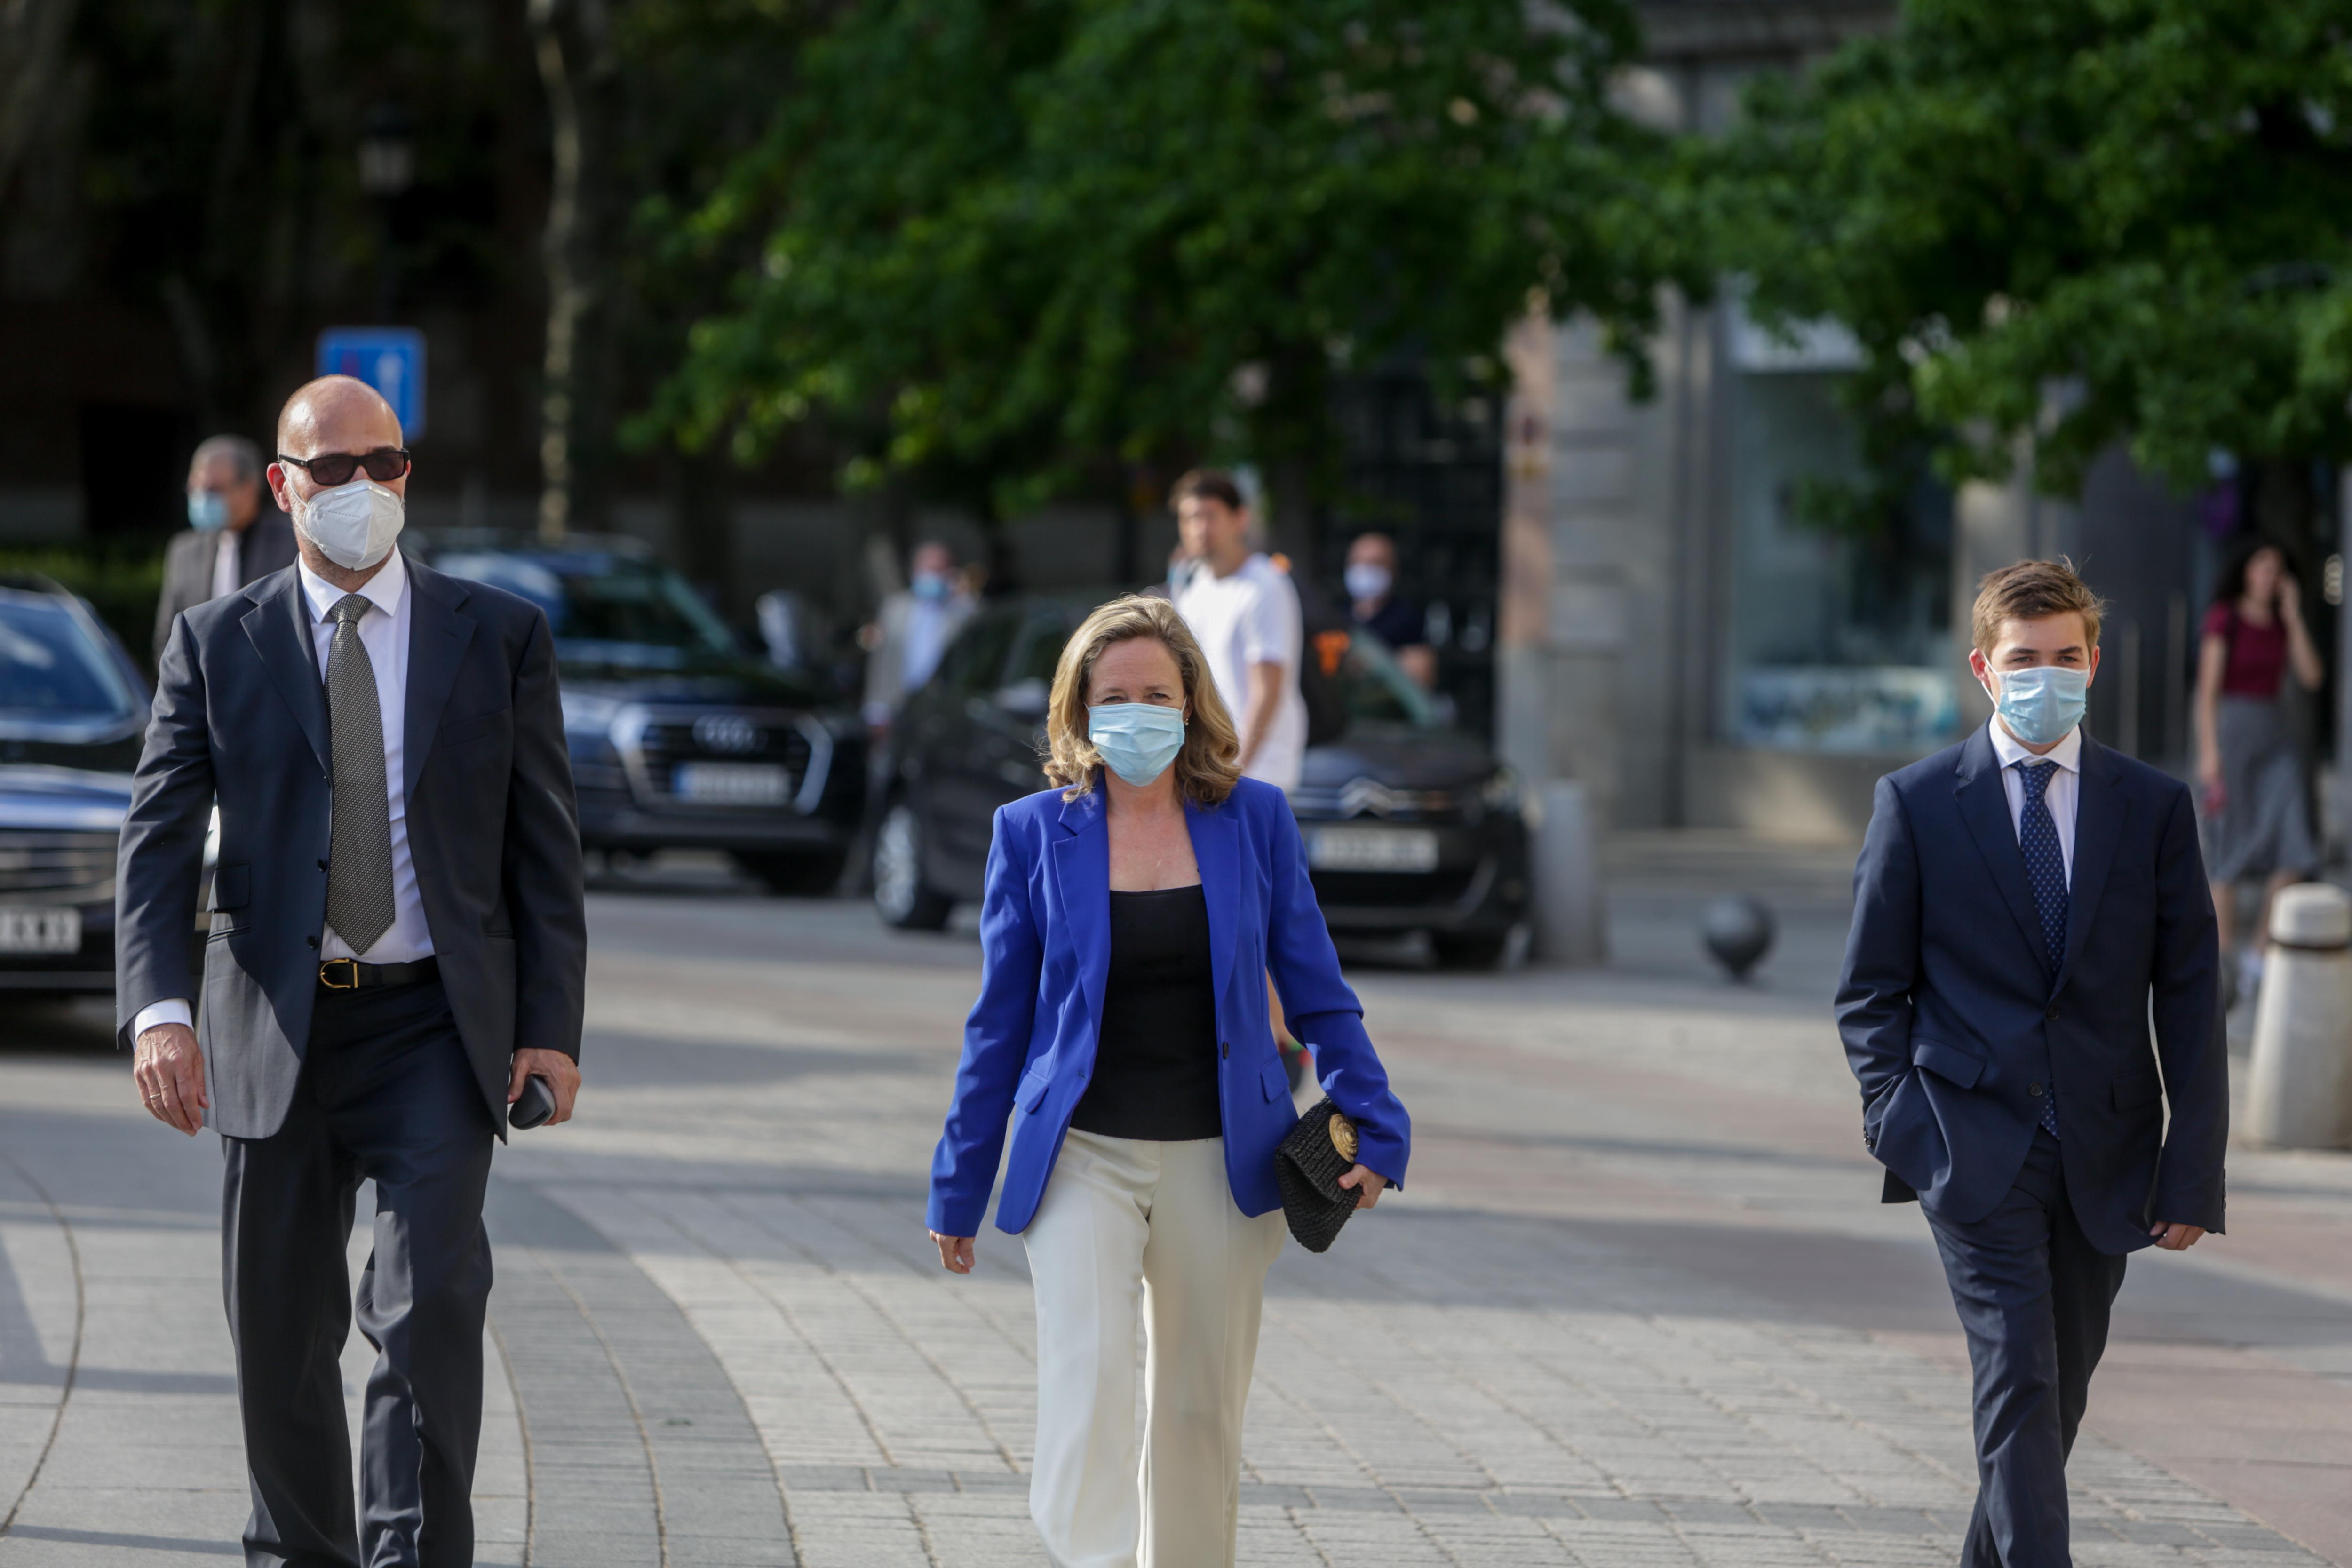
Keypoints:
pixel 1244 609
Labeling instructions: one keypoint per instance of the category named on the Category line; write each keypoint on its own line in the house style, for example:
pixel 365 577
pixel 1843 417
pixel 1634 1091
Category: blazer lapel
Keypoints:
pixel 2098 828
pixel 278 627
pixel 1984 806
pixel 1082 871
pixel 438 635
pixel 1214 852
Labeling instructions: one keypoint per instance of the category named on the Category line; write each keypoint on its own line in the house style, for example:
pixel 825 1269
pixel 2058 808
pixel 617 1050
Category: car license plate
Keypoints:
pixel 40 930
pixel 1372 850
pixel 731 784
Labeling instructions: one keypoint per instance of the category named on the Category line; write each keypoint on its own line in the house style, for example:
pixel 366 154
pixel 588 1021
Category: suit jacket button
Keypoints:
pixel 2034 1090
pixel 311 940
pixel 2053 1011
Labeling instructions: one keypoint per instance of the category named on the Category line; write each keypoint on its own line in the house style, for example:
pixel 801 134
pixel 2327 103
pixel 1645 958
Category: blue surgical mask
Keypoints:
pixel 1137 740
pixel 2041 704
pixel 208 511
pixel 932 585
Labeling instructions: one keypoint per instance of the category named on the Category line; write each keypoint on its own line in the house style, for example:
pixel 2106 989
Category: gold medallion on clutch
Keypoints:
pixel 1343 1137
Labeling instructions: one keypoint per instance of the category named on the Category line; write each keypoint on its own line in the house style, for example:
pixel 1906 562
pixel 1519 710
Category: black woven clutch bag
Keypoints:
pixel 1308 1166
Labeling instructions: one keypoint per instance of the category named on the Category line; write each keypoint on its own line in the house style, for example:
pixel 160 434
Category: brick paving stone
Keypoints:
pixel 721 1334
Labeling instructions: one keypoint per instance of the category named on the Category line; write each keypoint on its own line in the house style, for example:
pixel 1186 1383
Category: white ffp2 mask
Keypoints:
pixel 353 525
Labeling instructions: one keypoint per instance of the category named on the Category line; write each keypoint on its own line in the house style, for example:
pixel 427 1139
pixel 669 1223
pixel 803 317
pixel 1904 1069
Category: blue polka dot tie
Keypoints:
pixel 2046 871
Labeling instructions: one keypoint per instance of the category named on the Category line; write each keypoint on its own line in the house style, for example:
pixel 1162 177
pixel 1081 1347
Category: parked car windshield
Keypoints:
pixel 1377 689
pixel 603 607
pixel 52 668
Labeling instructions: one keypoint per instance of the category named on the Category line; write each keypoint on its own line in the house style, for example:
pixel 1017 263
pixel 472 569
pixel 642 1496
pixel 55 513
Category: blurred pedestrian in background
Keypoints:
pixel 229 544
pixel 1244 609
pixel 2249 770
pixel 911 630
pixel 1374 604
pixel 1151 888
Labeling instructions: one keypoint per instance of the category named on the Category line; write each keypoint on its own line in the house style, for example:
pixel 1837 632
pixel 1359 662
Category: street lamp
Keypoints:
pixel 387 168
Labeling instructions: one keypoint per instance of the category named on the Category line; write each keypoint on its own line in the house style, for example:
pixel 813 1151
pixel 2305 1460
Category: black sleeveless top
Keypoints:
pixel 1155 1067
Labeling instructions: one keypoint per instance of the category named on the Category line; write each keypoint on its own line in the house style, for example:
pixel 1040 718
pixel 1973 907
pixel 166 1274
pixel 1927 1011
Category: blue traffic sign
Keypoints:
pixel 390 359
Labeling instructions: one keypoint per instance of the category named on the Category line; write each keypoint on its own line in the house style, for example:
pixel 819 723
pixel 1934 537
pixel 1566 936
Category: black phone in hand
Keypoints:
pixel 533 1106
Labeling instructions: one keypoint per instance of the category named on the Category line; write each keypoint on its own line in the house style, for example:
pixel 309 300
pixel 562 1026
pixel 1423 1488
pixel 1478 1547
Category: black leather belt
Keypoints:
pixel 350 975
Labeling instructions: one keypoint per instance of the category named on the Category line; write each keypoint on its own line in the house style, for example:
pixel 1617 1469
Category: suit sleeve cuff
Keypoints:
pixel 175 1011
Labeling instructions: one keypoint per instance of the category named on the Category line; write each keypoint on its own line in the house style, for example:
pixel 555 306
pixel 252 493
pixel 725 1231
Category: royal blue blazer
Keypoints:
pixel 1029 1045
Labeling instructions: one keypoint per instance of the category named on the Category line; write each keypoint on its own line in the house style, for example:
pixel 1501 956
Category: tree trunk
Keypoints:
pixel 574 44
pixel 32 51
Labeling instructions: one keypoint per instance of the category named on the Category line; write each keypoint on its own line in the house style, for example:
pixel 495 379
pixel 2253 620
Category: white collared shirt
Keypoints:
pixel 224 556
pixel 383 632
pixel 2061 795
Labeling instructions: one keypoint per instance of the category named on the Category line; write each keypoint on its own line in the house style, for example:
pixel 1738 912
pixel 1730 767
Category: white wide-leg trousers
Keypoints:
pixel 1125 1223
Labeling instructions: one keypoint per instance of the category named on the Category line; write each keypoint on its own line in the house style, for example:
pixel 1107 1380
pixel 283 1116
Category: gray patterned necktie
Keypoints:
pixel 359 852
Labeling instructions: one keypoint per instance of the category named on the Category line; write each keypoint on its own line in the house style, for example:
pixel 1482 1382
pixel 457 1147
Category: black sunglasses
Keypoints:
pixel 384 465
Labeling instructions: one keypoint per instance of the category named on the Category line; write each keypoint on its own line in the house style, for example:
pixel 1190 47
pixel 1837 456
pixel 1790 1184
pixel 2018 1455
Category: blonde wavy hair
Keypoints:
pixel 1210 759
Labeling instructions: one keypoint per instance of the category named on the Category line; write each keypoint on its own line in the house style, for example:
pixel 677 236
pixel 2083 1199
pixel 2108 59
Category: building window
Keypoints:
pixel 1839 637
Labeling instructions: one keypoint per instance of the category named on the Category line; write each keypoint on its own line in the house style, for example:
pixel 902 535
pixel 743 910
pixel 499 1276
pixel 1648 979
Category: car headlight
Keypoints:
pixel 1504 792
pixel 585 713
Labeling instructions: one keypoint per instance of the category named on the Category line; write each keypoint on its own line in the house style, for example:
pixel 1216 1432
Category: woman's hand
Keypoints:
pixel 2210 789
pixel 2290 600
pixel 955 1252
pixel 1369 1184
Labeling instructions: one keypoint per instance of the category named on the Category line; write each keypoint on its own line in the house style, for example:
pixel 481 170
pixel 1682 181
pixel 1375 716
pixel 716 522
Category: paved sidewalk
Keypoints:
pixel 1636 1308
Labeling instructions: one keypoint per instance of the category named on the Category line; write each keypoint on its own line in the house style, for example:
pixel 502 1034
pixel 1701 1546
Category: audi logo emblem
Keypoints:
pixel 728 732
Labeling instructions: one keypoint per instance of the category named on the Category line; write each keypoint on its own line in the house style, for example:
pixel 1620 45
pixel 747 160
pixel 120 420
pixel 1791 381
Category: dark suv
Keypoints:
pixel 679 738
pixel 72 707
pixel 1411 825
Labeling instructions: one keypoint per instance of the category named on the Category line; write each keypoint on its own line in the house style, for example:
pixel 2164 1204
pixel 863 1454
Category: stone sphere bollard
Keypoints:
pixel 1739 932
pixel 2300 1090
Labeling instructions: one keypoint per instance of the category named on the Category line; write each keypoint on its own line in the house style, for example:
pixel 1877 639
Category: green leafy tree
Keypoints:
pixel 2064 224
pixel 1005 247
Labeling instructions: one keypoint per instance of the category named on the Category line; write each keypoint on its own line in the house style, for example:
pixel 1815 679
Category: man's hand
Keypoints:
pixel 955 1252
pixel 1369 1184
pixel 562 1073
pixel 2176 1238
pixel 169 1067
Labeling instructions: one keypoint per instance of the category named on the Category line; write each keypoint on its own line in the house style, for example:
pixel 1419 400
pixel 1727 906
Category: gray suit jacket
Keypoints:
pixel 268 546
pixel 885 667
pixel 241 716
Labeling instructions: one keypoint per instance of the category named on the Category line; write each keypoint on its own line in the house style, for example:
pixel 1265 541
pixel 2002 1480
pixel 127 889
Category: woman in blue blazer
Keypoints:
pixel 1130 922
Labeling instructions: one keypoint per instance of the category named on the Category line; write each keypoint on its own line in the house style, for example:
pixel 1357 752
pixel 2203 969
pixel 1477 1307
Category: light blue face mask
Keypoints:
pixel 1137 740
pixel 2041 704
pixel 208 511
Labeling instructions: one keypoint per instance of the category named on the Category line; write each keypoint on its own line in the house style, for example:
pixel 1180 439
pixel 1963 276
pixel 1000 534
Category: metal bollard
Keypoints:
pixel 2300 1087
pixel 1572 928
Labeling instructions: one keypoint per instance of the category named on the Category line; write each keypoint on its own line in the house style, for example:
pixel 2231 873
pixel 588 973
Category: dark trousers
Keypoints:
pixel 386 1094
pixel 2033 1296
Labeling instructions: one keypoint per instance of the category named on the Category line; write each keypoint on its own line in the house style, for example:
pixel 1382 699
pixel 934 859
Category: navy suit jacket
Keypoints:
pixel 1957 1028
pixel 1044 931
pixel 241 716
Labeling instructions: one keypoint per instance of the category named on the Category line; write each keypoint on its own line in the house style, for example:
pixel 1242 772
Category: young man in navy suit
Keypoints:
pixel 2027 904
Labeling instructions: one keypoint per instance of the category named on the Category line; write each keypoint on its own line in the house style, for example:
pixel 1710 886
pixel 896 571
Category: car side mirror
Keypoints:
pixel 1023 698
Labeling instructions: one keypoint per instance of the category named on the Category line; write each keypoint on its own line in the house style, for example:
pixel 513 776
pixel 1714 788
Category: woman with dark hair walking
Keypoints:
pixel 2248 769
pixel 1132 919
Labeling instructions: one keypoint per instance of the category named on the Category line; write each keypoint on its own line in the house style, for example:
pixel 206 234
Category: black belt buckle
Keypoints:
pixel 347 966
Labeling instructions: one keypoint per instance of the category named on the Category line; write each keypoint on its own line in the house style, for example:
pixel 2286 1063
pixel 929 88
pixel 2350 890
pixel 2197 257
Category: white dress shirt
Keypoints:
pixel 224 557
pixel 1241 621
pixel 2060 794
pixel 383 632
